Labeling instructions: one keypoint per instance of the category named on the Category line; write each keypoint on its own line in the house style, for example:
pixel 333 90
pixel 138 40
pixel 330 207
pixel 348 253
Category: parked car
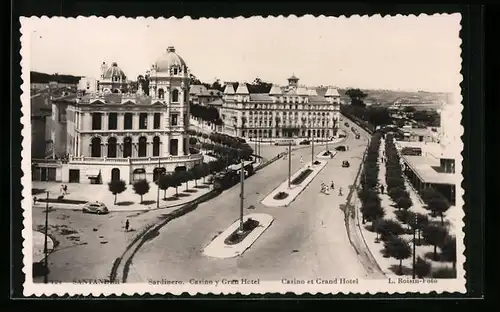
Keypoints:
pixel 305 142
pixel 95 207
pixel 341 148
pixel 342 135
pixel 346 124
pixel 346 164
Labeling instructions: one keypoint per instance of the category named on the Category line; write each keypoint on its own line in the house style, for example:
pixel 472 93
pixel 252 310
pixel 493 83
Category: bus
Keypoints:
pixel 285 142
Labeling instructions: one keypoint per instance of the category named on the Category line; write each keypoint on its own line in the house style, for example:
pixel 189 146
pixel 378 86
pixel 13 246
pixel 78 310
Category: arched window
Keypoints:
pixel 161 93
pixel 127 147
pixel 112 147
pixel 115 174
pixel 96 147
pixel 175 95
pixel 156 146
pixel 142 146
pixel 157 172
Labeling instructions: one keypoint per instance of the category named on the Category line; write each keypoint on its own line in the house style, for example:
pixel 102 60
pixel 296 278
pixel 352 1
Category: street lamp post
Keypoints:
pixel 45 247
pixel 242 182
pixel 289 163
pixel 158 184
pixel 414 243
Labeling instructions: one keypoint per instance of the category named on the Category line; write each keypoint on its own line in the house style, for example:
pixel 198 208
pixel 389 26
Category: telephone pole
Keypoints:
pixel 158 184
pixel 312 150
pixel 414 243
pixel 45 247
pixel 242 182
pixel 289 163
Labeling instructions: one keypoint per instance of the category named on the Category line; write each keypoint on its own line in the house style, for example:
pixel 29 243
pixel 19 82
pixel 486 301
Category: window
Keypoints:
pixel 185 96
pixel 113 121
pixel 96 147
pixel 156 146
pixel 175 95
pixel 127 147
pixel 96 121
pixel 127 122
pixel 112 147
pixel 143 121
pixel 156 121
pixel 161 93
pixel 173 119
pixel 175 71
pixel 142 147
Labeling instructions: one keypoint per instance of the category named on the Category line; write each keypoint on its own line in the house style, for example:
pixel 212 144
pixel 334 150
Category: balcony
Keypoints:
pixel 136 160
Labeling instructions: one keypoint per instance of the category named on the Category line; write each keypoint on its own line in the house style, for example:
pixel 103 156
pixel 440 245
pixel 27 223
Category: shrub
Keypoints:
pixel 281 195
pixel 445 273
pixel 422 268
pixel 301 177
pixel 316 162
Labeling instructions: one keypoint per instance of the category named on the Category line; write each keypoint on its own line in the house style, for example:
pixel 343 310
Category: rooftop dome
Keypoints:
pixel 114 71
pixel 169 59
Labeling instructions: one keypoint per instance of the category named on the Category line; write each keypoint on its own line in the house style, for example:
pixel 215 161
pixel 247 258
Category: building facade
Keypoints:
pixel 114 135
pixel 285 112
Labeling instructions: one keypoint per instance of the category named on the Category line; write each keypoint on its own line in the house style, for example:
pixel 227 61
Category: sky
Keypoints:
pixel 397 53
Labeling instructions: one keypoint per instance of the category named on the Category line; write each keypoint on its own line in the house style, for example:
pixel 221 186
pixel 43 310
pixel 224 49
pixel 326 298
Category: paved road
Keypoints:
pixel 307 239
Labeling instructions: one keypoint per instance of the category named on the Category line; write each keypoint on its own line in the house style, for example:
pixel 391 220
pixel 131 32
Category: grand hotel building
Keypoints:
pixel 109 134
pixel 285 112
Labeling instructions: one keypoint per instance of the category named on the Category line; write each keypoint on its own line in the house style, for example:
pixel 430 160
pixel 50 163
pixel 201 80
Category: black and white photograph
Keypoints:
pixel 250 155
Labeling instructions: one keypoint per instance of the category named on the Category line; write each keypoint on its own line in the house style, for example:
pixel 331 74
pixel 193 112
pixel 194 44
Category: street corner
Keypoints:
pixel 238 237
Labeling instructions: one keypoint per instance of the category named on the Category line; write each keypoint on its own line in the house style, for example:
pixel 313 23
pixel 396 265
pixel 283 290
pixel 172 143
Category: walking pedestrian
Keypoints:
pixel 65 187
pixel 340 191
pixel 127 225
pixel 332 186
pixel 301 160
pixel 382 189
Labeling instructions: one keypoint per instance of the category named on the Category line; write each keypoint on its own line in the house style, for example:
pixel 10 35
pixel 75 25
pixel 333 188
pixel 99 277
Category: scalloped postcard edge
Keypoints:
pixel 97 289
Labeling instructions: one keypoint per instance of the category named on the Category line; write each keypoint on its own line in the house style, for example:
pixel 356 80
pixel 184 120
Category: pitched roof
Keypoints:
pixel 332 92
pixel 275 90
pixel 229 89
pixel 242 89
pixel 301 91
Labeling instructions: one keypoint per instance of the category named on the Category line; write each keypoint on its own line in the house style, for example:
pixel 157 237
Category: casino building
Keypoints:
pixel 285 112
pixel 114 134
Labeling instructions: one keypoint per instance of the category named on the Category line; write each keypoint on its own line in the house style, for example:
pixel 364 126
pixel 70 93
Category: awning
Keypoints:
pixel 93 173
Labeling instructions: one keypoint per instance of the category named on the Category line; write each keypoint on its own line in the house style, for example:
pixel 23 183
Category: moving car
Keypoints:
pixel 346 124
pixel 341 148
pixel 357 136
pixel 95 207
pixel 345 164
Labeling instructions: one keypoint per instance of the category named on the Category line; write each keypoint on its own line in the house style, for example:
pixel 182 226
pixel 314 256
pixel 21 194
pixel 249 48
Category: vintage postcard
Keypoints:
pixel 242 155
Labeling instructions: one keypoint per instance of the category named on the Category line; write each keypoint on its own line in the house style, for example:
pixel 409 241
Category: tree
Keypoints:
pixel 141 187
pixel 449 250
pixel 117 187
pixel 196 173
pixel 422 268
pixel 396 192
pixel 434 235
pixel 428 194
pixel 439 205
pixel 372 211
pixel 387 228
pixel 164 183
pixel 418 222
pixel 175 181
pixel 399 249
pixel 357 96
pixel 403 203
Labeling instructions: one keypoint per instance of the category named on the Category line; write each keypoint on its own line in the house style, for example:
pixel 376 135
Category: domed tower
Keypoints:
pixel 169 84
pixel 113 78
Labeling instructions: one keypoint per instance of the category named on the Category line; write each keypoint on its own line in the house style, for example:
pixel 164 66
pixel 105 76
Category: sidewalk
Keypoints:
pixel 390 265
pixel 126 201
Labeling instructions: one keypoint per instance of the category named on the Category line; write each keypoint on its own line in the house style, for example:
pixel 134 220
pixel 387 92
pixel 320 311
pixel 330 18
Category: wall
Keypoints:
pixel 38 135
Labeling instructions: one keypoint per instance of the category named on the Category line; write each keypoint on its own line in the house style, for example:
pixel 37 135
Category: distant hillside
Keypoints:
pixel 37 77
